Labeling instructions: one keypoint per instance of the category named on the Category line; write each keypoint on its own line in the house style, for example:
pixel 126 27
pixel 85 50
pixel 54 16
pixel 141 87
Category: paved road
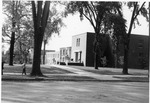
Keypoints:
pixel 74 92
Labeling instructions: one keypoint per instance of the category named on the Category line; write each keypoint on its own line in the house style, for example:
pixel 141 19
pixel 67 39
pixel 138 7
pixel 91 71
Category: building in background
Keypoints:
pixel 139 51
pixel 52 57
pixel 31 53
pixel 65 54
pixel 82 51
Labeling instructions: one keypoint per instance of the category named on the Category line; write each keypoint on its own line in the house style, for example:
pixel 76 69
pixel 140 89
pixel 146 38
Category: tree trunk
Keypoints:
pixel 11 53
pixel 126 45
pixel 125 67
pixel 96 53
pixel 96 60
pixel 12 48
pixel 116 59
pixel 44 52
pixel 36 70
pixel 40 20
pixel 149 42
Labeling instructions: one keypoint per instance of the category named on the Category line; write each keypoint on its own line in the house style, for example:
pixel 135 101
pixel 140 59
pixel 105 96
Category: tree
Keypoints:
pixel 15 12
pixel 54 25
pixel 96 13
pixel 116 26
pixel 137 10
pixel 40 16
pixel 24 43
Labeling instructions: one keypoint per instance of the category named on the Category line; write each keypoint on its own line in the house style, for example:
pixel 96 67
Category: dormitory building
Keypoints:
pixel 81 51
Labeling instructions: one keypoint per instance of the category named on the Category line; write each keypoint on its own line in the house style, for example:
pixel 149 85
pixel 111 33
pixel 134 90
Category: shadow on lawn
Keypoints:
pixel 44 70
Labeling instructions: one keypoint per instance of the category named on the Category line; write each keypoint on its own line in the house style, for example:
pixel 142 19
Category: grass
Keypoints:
pixel 58 74
pixel 48 70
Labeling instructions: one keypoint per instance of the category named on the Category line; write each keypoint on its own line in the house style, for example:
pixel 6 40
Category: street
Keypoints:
pixel 75 92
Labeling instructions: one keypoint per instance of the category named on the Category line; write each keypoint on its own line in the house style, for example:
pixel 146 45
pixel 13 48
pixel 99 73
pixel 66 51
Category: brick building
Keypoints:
pixel 82 50
pixel 139 51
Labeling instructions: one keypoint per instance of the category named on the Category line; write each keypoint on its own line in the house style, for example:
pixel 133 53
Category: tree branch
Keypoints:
pixel 45 15
pixel 89 18
pixel 139 11
pixel 89 21
pixel 34 14
pixel 39 13
pixel 7 15
pixel 94 10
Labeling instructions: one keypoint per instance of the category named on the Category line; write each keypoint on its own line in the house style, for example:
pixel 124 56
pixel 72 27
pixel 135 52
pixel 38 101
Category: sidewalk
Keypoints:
pixel 142 76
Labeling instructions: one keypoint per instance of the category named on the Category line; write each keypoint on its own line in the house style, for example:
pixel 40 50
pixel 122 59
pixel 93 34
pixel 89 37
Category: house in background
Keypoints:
pixel 31 53
pixel 82 49
pixel 65 54
pixel 52 57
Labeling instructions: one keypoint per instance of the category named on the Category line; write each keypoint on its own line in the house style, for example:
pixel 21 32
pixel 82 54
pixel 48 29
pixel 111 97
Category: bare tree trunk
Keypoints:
pixel 40 20
pixel 125 67
pixel 12 49
pixel 96 53
pixel 127 42
pixel 11 53
pixel 36 71
pixel 149 42
pixel 44 52
pixel 96 60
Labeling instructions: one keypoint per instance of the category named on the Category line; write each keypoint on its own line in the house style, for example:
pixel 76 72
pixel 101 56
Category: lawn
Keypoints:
pixel 51 74
pixel 45 70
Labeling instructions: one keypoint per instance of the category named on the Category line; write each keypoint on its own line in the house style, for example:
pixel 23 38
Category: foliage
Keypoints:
pixel 104 61
pixel 21 16
pixel 121 60
pixel 104 17
pixel 54 22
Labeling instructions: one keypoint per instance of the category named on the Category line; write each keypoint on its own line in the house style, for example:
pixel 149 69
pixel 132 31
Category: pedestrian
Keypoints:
pixel 24 68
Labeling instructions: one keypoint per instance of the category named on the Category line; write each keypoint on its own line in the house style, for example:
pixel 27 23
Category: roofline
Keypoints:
pixel 83 33
pixel 66 47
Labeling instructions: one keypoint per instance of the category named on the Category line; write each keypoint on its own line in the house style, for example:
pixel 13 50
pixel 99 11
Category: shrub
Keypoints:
pixel 76 64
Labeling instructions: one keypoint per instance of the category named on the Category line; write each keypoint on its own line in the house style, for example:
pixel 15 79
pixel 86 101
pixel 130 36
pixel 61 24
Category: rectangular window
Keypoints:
pixel 78 42
pixel 140 43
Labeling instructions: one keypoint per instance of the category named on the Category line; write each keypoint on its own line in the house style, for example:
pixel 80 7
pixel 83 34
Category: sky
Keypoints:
pixel 75 26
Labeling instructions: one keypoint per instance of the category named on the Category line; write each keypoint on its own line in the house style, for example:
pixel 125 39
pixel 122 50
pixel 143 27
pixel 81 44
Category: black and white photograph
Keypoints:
pixel 75 51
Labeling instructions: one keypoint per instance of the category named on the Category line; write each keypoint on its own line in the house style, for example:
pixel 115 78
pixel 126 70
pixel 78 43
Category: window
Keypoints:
pixel 140 43
pixel 78 42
